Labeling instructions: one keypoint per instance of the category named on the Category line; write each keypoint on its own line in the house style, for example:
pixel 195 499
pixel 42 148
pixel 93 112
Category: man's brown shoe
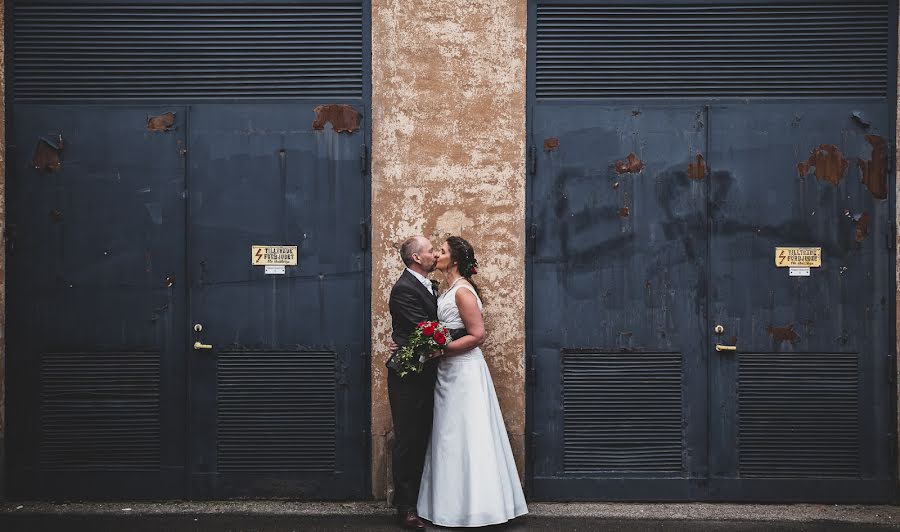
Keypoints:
pixel 410 521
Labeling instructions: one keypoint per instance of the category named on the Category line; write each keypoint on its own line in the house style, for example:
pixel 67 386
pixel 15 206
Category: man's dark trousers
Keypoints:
pixel 412 396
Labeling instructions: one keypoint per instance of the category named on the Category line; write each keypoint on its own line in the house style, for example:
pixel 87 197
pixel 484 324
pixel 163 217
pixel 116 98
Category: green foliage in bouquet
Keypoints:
pixel 428 337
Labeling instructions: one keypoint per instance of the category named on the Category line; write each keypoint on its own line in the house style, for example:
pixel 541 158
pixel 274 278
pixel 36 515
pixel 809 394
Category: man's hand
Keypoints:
pixel 393 346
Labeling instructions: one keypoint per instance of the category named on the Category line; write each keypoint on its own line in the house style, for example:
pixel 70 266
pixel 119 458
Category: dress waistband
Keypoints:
pixel 457 333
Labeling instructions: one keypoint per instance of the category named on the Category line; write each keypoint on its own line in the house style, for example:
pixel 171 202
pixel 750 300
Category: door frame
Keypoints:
pixel 698 489
pixel 8 75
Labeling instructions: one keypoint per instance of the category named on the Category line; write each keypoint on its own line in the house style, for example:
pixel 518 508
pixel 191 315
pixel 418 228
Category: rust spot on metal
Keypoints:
pixel 873 172
pixel 697 170
pixel 46 154
pixel 623 212
pixel 344 118
pixel 828 161
pixel 862 226
pixel 632 165
pixel 551 144
pixel 784 334
pixel 56 215
pixel 163 122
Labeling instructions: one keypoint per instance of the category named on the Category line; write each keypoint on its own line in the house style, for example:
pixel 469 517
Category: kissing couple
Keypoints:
pixel 452 460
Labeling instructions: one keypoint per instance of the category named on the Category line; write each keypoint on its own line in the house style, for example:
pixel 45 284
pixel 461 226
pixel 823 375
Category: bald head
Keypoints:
pixel 412 245
pixel 418 254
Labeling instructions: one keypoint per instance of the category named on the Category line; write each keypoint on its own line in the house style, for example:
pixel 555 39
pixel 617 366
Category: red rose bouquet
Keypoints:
pixel 428 337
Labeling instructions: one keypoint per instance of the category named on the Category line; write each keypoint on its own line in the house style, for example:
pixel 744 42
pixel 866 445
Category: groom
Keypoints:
pixel 413 300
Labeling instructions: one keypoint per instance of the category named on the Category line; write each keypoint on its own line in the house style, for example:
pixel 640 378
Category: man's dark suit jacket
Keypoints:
pixel 410 304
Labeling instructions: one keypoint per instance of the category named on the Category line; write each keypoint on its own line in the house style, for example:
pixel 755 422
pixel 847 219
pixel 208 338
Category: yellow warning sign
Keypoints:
pixel 273 255
pixel 798 257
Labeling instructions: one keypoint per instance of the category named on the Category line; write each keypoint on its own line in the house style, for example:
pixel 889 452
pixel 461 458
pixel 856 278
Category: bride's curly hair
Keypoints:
pixel 463 254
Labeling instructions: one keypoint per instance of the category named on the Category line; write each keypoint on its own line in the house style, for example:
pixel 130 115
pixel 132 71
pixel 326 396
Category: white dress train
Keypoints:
pixel 470 477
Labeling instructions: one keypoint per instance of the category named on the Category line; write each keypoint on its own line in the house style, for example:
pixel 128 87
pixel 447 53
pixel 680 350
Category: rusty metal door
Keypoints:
pixel 278 386
pixel 673 148
pixel 151 144
pixel 806 398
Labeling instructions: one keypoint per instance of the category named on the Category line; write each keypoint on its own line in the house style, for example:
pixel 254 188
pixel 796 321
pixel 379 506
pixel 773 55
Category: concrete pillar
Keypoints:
pixel 448 157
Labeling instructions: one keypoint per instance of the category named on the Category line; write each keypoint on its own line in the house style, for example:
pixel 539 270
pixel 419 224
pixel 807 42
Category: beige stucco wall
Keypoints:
pixel 448 155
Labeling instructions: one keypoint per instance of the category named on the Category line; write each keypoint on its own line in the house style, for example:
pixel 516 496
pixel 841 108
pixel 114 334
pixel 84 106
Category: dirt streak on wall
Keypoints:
pixel 448 150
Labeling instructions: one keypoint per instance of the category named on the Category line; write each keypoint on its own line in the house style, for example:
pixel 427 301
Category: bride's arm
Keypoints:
pixel 472 320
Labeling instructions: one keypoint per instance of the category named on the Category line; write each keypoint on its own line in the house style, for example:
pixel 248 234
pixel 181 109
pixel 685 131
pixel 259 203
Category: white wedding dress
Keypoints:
pixel 470 478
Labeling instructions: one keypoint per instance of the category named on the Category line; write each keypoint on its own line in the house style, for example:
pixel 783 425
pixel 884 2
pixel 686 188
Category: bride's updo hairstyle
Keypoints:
pixel 462 253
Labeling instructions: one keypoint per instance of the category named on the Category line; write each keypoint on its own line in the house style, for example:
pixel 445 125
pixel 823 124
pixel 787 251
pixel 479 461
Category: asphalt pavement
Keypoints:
pixel 379 523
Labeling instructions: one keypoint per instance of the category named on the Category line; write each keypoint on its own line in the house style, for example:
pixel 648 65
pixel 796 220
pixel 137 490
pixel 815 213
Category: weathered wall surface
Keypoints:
pixel 448 150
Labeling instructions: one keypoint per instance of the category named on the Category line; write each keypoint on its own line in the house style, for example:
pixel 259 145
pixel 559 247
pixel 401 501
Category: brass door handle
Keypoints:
pixel 720 347
pixel 198 346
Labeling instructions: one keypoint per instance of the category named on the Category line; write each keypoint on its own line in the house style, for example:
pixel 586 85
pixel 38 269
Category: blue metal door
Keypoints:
pixel 151 144
pixel 96 303
pixel 276 407
pixel 675 149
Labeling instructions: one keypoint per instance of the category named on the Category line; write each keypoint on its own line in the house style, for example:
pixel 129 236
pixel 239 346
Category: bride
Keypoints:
pixel 470 478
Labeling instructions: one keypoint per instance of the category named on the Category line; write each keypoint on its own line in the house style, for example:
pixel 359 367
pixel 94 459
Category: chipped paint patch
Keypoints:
pixel 784 334
pixel 697 170
pixel 873 172
pixel 632 165
pixel 551 144
pixel 828 161
pixel 161 123
pixel 342 117
pixel 862 226
pixel 47 154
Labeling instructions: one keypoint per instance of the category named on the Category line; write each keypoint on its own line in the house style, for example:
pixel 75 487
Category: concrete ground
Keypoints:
pixel 280 516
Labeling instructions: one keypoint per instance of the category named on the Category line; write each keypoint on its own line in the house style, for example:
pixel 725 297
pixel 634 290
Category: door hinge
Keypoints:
pixel 9 235
pixel 363 235
pixel 891 156
pixel 892 446
pixel 364 159
pixel 532 160
pixel 890 235
pixel 530 446
pixel 532 239
pixel 532 372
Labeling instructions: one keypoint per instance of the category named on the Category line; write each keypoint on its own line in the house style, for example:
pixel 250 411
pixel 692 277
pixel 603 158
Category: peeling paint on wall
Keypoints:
pixel 784 334
pixel 828 161
pixel 862 226
pixel 436 66
pixel 343 118
pixel 697 170
pixel 163 122
pixel 873 172
pixel 632 165
pixel 47 154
